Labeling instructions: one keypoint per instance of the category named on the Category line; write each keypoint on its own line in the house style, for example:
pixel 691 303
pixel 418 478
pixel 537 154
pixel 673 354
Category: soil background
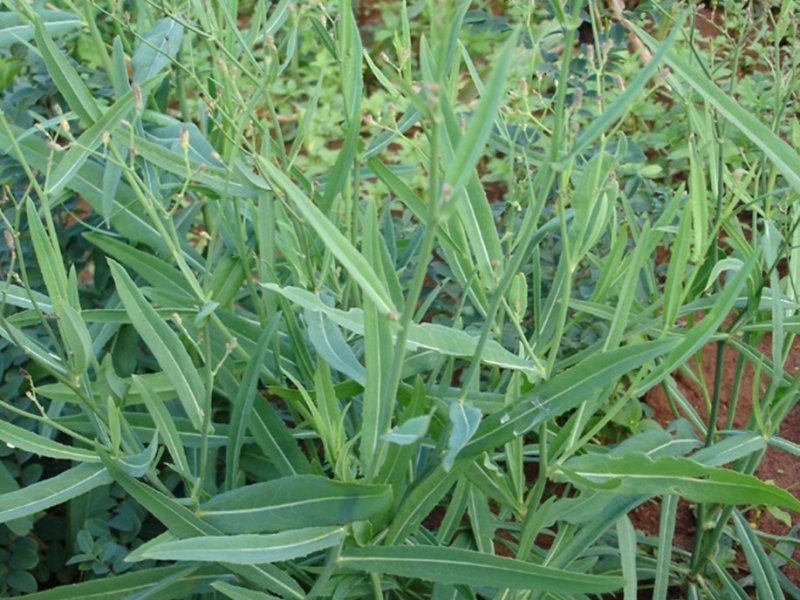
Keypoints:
pixel 777 466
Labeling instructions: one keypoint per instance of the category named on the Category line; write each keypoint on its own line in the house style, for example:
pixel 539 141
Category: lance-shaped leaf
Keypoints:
pixel 782 155
pixel 344 251
pixel 464 421
pixel 156 49
pixel 90 139
pixel 130 585
pixel 249 549
pixel 471 144
pixel 55 22
pixel 180 521
pixel 637 474
pixel 50 492
pixel 294 502
pixel 409 432
pixel 28 441
pixel 546 401
pixel 164 344
pixel 66 78
pixel 330 344
pixel 427 336
pixel 164 423
pixel 475 569
pixel 14 295
pixel 762 569
pixel 235 592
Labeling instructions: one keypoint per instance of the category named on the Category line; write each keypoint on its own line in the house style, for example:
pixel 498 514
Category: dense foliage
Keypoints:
pixel 306 299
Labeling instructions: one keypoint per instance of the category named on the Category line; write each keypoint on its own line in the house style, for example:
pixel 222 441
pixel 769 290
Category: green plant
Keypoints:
pixel 330 364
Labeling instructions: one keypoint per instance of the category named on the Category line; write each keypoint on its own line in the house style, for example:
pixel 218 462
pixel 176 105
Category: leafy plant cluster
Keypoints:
pixel 296 305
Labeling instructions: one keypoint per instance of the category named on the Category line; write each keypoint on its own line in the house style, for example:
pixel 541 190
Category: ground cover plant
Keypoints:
pixel 308 299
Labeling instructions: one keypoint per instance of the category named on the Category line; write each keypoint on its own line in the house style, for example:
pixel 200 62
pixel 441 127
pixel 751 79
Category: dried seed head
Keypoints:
pixel 9 237
pixel 184 139
pixel 138 101
pixel 447 192
pixel 577 98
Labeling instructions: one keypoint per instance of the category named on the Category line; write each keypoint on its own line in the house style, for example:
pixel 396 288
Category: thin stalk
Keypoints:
pixel 415 289
pixel 545 178
pixel 331 562
pixel 711 431
pixel 203 467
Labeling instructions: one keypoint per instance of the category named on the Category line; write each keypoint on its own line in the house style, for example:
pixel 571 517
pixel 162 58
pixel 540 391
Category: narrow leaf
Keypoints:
pixel 782 155
pixel 294 502
pixel 164 344
pixel 55 23
pixel 637 473
pixel 336 242
pixel 51 492
pixel 250 549
pixel 475 569
pixel 330 344
pixel 156 49
pixel 428 336
pixel 164 422
pixel 66 78
pixel 28 441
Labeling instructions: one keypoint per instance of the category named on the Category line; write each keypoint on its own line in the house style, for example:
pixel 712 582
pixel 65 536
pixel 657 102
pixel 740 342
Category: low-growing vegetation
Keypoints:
pixel 399 300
